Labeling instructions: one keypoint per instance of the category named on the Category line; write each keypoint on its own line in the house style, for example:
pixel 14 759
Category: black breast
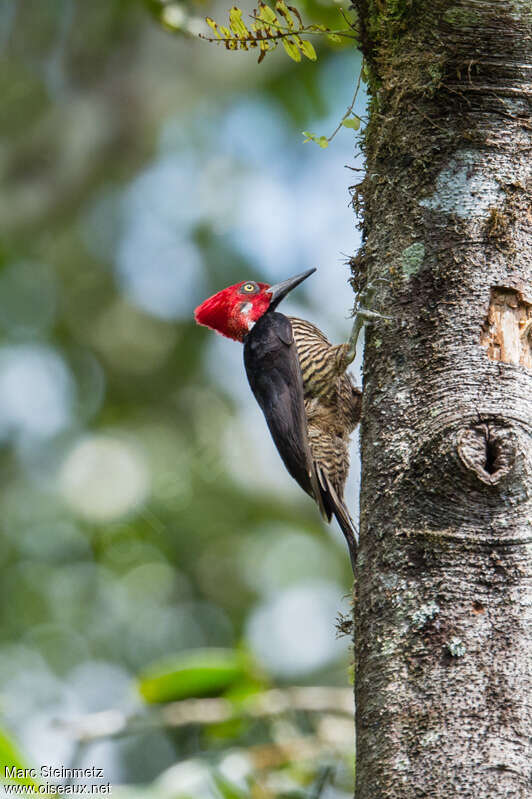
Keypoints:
pixel 274 374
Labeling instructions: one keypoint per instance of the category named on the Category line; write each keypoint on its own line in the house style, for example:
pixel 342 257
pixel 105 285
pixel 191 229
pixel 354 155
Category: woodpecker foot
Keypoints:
pixel 363 316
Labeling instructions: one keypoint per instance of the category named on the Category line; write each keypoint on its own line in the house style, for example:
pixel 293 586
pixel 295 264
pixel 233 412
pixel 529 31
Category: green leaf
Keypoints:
pixel 294 10
pixel 199 672
pixel 307 49
pixel 333 37
pixel 227 789
pixel 282 8
pixel 212 24
pixel 351 122
pixel 237 24
pixel 323 141
pixel 292 49
pixel 265 47
pixel 224 731
pixel 266 14
pixel 11 758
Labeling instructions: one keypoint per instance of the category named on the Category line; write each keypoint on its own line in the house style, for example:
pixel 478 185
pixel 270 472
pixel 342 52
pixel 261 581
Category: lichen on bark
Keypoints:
pixel 443 598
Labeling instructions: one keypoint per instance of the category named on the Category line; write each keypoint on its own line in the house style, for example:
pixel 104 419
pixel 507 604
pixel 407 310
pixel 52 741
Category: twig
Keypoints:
pixel 303 29
pixel 325 777
pixel 348 21
pixel 350 109
pixel 275 702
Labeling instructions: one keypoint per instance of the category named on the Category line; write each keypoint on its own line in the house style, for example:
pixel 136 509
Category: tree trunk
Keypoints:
pixel 443 638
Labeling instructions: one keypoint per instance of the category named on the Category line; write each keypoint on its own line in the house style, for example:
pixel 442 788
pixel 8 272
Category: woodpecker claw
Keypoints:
pixel 363 316
pixel 368 315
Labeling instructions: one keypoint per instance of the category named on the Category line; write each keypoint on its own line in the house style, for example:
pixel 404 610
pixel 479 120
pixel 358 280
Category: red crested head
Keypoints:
pixel 234 310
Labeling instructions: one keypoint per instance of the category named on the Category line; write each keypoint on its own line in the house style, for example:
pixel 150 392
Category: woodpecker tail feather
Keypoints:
pixel 335 506
pixel 346 524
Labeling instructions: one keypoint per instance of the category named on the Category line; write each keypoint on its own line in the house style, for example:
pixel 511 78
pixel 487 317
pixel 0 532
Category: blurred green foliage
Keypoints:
pixel 201 672
pixel 12 760
pixel 141 517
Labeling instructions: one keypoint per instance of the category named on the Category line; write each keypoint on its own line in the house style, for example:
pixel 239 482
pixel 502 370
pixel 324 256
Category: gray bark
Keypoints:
pixel 443 596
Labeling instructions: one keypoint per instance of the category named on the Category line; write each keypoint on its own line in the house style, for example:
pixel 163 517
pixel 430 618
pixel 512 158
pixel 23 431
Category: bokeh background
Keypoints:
pixel 164 583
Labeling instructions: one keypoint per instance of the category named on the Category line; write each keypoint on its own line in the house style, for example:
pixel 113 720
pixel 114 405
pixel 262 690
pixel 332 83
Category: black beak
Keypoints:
pixel 280 290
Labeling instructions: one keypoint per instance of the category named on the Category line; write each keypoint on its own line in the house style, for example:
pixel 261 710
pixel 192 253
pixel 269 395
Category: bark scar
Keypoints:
pixel 488 452
pixel 507 331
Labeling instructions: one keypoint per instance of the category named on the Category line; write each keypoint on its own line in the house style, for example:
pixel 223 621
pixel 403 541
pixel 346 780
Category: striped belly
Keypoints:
pixel 332 402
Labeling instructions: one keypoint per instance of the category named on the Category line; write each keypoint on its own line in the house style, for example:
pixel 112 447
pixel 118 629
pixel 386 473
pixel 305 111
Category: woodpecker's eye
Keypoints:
pixel 249 288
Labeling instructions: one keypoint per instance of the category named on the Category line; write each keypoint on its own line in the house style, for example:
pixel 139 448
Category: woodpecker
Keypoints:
pixel 299 380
